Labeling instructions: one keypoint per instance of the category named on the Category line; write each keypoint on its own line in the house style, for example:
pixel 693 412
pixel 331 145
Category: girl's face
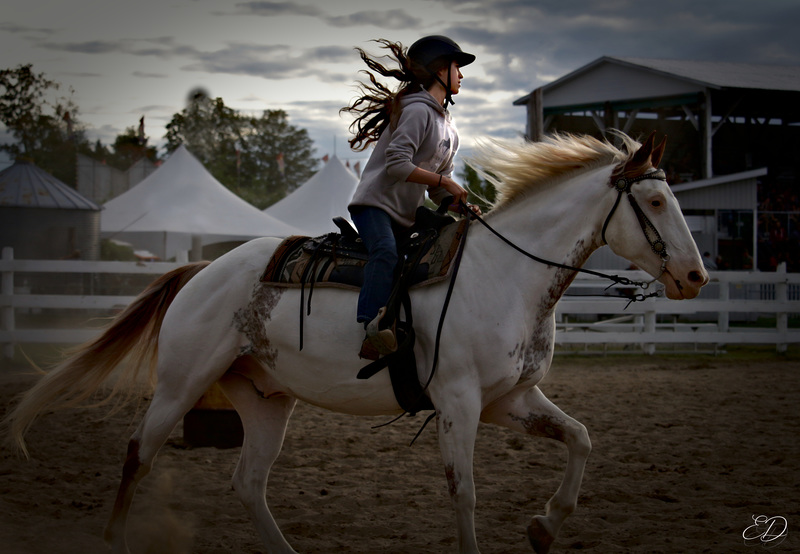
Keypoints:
pixel 455 77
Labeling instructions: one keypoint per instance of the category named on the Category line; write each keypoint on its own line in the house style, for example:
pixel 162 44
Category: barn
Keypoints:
pixel 731 155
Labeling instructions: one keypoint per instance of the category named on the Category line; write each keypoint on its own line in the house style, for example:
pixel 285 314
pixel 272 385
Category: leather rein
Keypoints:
pixel 621 185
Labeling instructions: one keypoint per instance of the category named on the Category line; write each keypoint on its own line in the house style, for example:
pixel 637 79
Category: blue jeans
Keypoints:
pixel 378 232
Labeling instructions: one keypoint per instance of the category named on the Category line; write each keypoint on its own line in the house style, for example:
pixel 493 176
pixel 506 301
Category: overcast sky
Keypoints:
pixel 127 59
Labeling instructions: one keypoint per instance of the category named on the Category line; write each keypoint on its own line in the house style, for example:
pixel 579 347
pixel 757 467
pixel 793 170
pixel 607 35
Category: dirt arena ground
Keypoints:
pixel 687 449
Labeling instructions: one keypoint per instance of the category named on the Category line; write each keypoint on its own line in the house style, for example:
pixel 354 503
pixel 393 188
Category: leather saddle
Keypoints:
pixel 427 255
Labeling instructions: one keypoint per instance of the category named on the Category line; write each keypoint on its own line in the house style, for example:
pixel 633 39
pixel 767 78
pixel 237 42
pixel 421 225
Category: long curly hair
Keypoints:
pixel 378 107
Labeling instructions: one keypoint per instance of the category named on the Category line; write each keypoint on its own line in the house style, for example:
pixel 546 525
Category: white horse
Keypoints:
pixel 220 323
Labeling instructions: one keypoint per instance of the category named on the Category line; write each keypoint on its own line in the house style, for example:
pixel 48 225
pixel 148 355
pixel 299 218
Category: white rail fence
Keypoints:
pixel 735 308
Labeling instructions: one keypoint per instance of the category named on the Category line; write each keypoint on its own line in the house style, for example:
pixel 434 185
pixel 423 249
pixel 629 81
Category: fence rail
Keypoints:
pixel 732 309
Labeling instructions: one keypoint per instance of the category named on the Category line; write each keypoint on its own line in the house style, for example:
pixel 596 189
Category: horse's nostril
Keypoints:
pixel 695 277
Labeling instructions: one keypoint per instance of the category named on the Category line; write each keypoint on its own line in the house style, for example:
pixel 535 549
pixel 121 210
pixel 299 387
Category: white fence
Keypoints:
pixel 732 309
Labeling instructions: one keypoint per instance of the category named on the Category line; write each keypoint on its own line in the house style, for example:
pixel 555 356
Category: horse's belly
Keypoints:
pixel 332 384
pixel 324 372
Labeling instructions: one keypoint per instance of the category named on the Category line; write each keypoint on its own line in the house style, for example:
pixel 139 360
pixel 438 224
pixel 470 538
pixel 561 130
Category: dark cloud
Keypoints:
pixel 146 75
pixel 395 19
pixel 83 74
pixel 535 42
pixel 331 54
pixel 390 19
pixel 269 61
pixel 87 47
pixel 152 111
pixel 13 28
pixel 274 9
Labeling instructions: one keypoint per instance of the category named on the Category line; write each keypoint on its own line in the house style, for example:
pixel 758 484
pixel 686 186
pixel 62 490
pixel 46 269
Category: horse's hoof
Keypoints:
pixel 539 535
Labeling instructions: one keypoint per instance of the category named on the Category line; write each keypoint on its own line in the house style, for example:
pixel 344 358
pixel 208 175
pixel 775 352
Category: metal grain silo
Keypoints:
pixel 42 218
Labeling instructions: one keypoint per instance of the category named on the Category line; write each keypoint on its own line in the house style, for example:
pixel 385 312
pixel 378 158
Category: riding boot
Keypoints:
pixel 378 342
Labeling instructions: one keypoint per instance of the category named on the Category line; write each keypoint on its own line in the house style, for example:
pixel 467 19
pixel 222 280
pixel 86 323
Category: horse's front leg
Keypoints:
pixel 529 411
pixel 457 421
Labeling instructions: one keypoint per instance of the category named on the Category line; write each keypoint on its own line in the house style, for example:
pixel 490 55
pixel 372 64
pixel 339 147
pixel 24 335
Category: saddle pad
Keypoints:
pixel 334 261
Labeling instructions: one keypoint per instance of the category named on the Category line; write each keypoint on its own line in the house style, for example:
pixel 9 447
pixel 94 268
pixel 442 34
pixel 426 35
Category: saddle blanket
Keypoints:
pixel 336 261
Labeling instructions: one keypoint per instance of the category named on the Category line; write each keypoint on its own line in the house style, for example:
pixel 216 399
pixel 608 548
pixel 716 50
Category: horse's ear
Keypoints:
pixel 642 155
pixel 658 152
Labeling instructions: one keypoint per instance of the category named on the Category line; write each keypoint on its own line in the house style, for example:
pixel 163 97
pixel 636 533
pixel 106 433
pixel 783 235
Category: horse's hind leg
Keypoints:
pixel 264 419
pixel 182 380
pixel 158 422
pixel 529 411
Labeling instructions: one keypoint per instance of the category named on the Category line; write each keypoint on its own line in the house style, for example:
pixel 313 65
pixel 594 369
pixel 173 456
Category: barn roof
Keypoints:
pixel 25 185
pixel 694 74
pixel 724 74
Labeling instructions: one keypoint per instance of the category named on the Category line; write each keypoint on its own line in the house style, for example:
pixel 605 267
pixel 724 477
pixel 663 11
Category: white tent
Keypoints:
pixel 181 206
pixel 312 207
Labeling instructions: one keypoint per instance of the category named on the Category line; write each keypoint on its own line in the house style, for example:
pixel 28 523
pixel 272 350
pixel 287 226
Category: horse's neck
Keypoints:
pixel 561 223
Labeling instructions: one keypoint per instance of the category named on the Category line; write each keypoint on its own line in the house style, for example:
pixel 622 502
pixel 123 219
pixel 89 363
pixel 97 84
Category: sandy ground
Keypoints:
pixel 686 450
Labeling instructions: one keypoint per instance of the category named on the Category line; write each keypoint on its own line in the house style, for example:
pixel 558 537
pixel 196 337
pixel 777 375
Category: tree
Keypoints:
pixel 481 191
pixel 130 147
pixel 45 126
pixel 282 155
pixel 246 154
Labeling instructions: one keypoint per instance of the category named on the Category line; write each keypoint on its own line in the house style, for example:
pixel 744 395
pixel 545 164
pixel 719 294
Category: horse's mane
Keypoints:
pixel 516 168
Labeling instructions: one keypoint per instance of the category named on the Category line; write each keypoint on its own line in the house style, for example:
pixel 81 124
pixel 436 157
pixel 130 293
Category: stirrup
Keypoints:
pixel 378 342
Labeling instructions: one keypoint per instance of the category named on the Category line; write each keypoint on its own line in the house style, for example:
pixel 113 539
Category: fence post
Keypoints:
pixel 723 316
pixel 7 311
pixel 650 327
pixel 781 318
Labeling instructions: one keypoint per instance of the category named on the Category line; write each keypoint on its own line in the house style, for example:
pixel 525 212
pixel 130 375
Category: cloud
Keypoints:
pixel 13 28
pixel 152 108
pixel 87 47
pixel 146 75
pixel 529 44
pixel 268 61
pixel 274 9
pixel 390 19
pixel 395 19
pixel 83 74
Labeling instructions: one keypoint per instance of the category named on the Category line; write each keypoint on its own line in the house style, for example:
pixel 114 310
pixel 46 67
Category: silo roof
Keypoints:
pixel 25 185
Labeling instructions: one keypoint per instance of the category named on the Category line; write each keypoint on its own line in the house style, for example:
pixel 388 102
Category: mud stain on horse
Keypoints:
pixel 538 348
pixel 252 319
pixel 541 426
pixel 452 480
pixel 537 351
pixel 563 278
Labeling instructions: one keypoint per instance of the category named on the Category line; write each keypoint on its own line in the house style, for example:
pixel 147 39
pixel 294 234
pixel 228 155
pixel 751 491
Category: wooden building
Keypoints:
pixel 733 137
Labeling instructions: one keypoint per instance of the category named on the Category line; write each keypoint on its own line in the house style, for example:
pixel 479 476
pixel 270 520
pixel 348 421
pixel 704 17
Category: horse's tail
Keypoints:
pixel 133 332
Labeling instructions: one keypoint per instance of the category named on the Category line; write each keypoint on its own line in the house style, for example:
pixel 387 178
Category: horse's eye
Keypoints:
pixel 655 203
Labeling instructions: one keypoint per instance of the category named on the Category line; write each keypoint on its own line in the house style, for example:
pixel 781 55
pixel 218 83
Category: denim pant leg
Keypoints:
pixel 375 228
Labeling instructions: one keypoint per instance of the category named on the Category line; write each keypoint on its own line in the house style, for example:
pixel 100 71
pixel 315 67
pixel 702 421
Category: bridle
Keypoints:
pixel 624 184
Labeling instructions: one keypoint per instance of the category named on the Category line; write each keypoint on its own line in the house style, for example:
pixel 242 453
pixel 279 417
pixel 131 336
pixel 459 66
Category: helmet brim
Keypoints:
pixel 462 58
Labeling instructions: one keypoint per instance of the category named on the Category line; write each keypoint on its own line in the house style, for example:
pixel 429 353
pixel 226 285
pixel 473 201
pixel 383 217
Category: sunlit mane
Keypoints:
pixel 515 168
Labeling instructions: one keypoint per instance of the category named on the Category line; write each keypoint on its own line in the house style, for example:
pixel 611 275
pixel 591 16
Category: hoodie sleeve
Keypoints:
pixel 437 194
pixel 412 128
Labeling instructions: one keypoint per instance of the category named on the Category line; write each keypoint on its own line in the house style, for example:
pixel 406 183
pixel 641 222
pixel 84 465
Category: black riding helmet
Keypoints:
pixel 430 49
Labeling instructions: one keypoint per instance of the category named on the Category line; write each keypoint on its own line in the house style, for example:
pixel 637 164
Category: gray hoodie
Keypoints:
pixel 425 137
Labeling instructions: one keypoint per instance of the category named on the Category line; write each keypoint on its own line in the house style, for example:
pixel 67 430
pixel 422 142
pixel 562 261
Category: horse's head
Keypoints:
pixel 649 229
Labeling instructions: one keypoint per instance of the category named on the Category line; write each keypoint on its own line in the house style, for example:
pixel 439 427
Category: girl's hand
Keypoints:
pixel 455 190
pixel 471 207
